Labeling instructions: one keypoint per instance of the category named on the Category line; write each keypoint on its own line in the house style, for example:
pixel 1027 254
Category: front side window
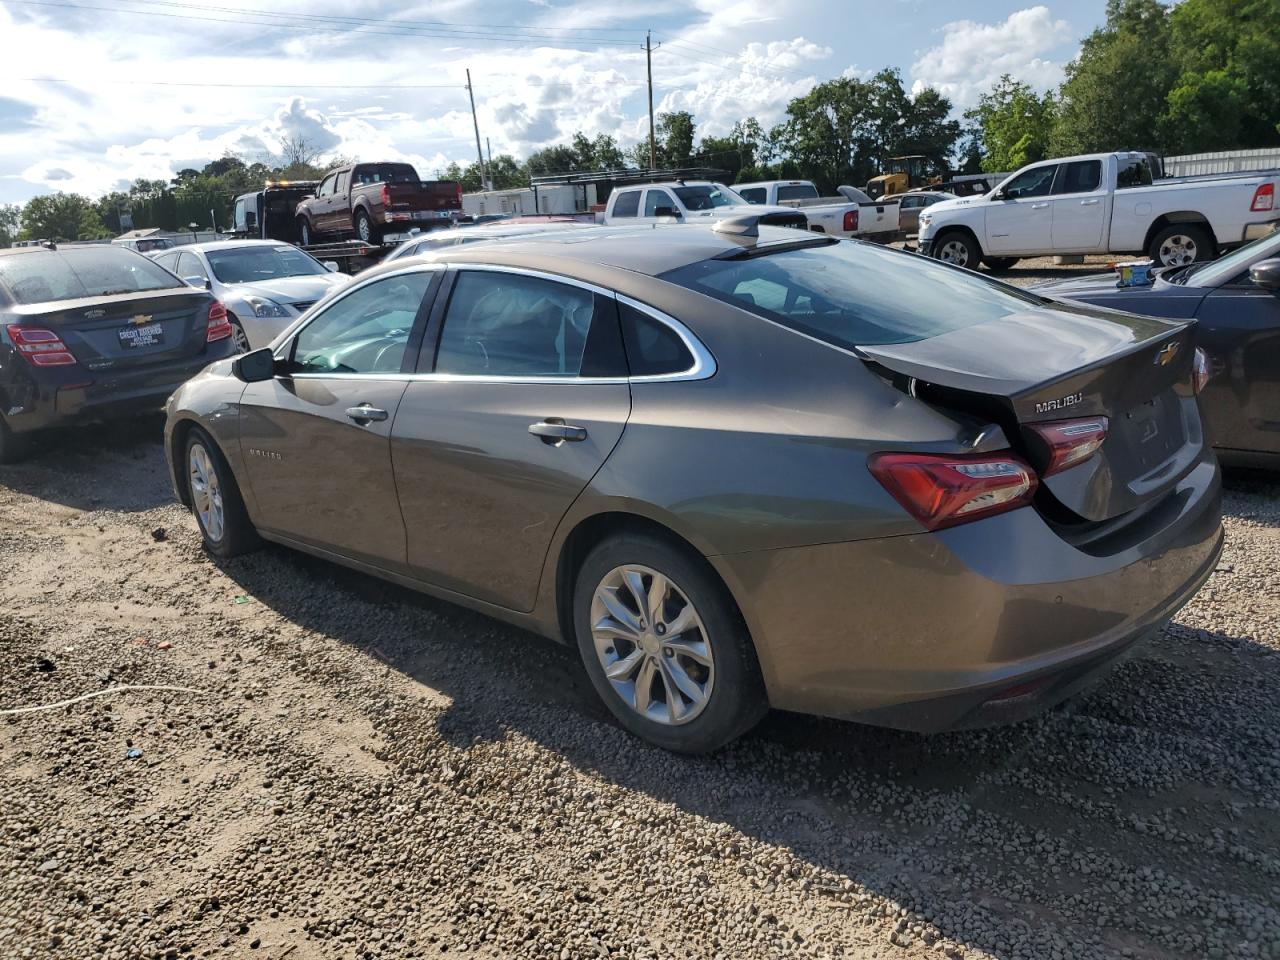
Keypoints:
pixel 366 331
pixel 754 194
pixel 506 324
pixel 1082 176
pixel 1133 173
pixel 190 266
pixel 627 204
pixel 169 261
pixel 326 188
pixel 1032 183
pixel 248 264
pixel 656 200
pixel 70 274
pixel 853 294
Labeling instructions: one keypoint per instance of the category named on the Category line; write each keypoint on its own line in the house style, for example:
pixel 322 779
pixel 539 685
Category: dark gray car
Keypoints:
pixel 735 470
pixel 1236 301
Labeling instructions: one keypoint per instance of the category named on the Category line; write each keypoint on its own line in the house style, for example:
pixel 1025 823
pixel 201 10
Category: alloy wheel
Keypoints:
pixel 1178 250
pixel 239 338
pixel 955 252
pixel 652 644
pixel 206 493
pixel 362 227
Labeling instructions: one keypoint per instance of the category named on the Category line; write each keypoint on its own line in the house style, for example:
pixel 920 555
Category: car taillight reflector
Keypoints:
pixel 850 221
pixel 1201 371
pixel 941 491
pixel 40 347
pixel 1264 198
pixel 219 327
pixel 1069 442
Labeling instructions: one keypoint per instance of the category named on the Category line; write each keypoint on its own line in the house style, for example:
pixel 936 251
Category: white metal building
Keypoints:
pixel 1222 161
pixel 558 199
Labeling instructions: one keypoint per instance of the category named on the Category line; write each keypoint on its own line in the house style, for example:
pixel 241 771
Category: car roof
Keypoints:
pixel 229 245
pixel 648 249
pixel 63 248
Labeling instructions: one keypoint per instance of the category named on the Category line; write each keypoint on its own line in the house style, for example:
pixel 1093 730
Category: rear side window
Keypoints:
pixel 803 191
pixel 653 348
pixel 1083 176
pixel 1133 173
pixel 850 294
pixel 88 272
pixel 753 194
pixel 627 204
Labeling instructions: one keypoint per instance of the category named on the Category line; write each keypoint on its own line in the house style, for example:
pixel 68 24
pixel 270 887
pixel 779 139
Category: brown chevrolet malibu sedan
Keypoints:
pixel 737 467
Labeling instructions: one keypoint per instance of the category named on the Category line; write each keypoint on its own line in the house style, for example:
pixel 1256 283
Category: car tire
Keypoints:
pixel 305 235
pixel 957 248
pixel 13 446
pixel 215 499
pixel 238 336
pixel 1181 243
pixel 712 657
pixel 366 230
pixel 999 264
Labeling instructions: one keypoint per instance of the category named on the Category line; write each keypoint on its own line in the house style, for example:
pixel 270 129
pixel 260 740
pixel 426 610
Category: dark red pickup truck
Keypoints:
pixel 367 200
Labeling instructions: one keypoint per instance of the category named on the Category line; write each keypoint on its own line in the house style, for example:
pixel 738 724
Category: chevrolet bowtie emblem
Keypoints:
pixel 1165 355
pixel 140 319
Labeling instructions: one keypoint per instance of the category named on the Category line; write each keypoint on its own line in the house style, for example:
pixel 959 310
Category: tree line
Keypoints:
pixel 1173 78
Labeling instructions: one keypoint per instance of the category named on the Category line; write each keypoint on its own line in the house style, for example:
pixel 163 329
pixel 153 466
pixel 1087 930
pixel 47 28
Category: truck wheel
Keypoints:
pixel 365 229
pixel 999 264
pixel 1179 244
pixel 304 232
pixel 957 248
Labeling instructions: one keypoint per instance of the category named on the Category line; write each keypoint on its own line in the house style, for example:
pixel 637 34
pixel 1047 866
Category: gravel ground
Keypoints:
pixel 363 772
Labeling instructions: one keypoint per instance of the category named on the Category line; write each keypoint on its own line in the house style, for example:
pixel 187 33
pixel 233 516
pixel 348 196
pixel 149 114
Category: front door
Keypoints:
pixel 1021 219
pixel 315 439
pixel 527 398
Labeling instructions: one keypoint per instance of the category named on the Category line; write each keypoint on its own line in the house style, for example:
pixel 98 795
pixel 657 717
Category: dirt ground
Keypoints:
pixel 359 771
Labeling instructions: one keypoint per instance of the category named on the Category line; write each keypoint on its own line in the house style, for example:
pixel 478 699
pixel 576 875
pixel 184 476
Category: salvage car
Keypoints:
pixel 1236 301
pixel 369 200
pixel 1101 203
pixel 95 332
pixel 737 467
pixel 265 285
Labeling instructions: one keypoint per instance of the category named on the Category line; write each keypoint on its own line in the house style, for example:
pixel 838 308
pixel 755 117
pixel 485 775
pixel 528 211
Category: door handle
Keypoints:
pixel 555 431
pixel 1088 203
pixel 1038 206
pixel 366 413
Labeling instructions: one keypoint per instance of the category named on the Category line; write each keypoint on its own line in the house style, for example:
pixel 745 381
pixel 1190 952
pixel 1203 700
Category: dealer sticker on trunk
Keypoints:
pixel 146 336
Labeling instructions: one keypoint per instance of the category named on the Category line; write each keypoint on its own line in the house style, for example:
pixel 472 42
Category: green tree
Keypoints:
pixel 739 151
pixel 10 221
pixel 1011 126
pixel 1116 90
pixel 560 158
pixel 62 216
pixel 1206 111
pixel 675 133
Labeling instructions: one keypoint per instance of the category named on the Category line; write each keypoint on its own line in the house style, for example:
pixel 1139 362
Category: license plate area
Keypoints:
pixel 138 337
pixel 1152 432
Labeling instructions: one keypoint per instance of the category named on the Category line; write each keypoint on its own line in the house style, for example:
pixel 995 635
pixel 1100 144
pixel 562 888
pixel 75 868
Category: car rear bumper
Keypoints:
pixel 985 623
pixel 53 396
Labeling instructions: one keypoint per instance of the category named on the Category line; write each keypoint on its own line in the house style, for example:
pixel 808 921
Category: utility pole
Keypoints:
pixel 484 172
pixel 653 141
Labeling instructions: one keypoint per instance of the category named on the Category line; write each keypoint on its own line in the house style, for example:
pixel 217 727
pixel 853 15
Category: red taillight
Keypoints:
pixel 1068 442
pixel 941 491
pixel 459 195
pixel 1264 198
pixel 850 221
pixel 1201 371
pixel 40 347
pixel 219 327
pixel 386 195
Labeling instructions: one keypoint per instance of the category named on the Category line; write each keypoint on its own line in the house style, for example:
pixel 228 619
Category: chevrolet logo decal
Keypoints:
pixel 1165 355
pixel 140 319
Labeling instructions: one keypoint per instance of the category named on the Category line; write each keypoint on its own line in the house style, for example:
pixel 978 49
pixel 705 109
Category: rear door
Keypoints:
pixel 1080 207
pixel 315 440
pixel 525 398
pixel 1021 221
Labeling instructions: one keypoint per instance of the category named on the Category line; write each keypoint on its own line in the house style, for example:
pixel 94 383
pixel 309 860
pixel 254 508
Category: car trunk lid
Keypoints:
pixel 1046 365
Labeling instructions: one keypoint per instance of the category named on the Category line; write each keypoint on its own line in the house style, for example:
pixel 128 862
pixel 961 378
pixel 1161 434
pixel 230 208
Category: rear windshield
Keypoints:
pixel 850 294
pixel 88 272
pixel 803 191
pixel 248 264
pixel 386 173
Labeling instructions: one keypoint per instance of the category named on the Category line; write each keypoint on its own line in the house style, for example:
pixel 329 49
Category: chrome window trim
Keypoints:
pixel 704 364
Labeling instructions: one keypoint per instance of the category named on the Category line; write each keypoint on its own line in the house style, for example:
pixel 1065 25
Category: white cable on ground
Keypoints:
pixel 96 693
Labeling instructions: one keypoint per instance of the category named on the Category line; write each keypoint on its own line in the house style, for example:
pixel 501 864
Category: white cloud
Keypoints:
pixel 973 56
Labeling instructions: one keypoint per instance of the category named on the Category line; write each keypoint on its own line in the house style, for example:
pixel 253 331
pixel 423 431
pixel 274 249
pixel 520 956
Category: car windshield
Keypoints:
pixel 51 275
pixel 708 197
pixel 248 264
pixel 1237 261
pixel 851 294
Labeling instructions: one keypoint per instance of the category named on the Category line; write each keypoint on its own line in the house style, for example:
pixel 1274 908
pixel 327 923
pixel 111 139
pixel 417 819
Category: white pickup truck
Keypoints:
pixel 852 214
pixel 1100 203
pixel 689 201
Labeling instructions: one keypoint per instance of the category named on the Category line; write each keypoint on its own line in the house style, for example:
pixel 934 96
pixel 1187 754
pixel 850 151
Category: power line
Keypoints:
pixel 313 86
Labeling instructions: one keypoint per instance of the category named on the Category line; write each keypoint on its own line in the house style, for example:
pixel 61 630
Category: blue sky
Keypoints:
pixel 142 88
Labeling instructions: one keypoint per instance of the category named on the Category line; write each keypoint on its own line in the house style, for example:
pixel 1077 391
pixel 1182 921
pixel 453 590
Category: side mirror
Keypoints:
pixel 255 366
pixel 667 212
pixel 204 283
pixel 331 266
pixel 1266 274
